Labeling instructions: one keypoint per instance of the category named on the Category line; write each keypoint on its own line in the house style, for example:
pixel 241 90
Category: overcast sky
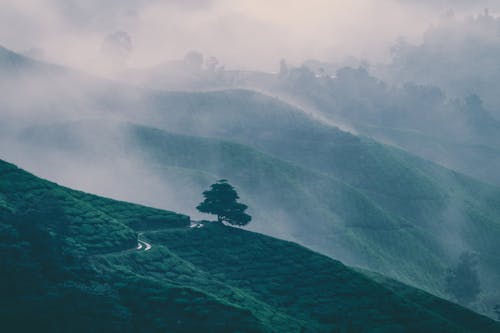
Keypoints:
pixel 242 34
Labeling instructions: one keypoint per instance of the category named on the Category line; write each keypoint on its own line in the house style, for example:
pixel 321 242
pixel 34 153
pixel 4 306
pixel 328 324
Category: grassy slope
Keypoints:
pixel 397 230
pixel 188 281
pixel 478 160
pixel 440 205
pixel 289 202
pixel 352 226
pixel 445 205
pixel 51 237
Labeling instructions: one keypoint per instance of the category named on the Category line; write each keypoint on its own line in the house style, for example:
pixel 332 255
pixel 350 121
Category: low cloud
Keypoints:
pixel 242 34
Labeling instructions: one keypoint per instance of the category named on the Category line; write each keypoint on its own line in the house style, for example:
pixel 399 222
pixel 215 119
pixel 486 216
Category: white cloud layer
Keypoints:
pixel 243 33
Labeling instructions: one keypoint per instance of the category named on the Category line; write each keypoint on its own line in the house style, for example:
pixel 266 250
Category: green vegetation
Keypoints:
pixel 462 282
pixel 366 204
pixel 360 202
pixel 70 263
pixel 221 201
pixel 343 195
pixel 479 160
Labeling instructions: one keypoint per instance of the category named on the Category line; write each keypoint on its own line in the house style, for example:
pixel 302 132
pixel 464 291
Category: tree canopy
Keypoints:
pixel 221 200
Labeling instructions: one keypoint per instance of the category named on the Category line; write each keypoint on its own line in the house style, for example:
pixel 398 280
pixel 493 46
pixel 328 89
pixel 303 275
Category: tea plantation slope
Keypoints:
pixel 413 231
pixel 405 235
pixel 450 210
pixel 70 263
pixel 49 237
pixel 287 201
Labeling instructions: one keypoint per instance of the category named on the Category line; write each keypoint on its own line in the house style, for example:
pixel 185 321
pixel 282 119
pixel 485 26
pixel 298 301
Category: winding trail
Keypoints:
pixel 196 224
pixel 142 244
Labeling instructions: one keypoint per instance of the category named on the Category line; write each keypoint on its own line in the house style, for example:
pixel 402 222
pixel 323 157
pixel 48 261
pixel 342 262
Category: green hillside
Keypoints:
pixel 451 210
pixel 343 195
pixel 70 262
pixel 354 97
pixel 478 160
pixel 390 212
pixel 288 201
pixel 401 234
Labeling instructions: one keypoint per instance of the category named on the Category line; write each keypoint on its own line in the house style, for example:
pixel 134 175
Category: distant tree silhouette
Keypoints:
pixel 473 102
pixel 497 311
pixel 194 60
pixel 221 200
pixel 283 68
pixel 462 282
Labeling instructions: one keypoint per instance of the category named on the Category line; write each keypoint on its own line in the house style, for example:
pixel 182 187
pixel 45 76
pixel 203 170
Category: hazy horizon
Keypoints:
pixel 244 35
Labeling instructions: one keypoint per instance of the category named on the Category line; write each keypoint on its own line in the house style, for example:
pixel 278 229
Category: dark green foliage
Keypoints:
pixel 221 200
pixel 367 205
pixel 360 197
pixel 390 217
pixel 350 197
pixel 56 275
pixel 317 290
pixel 462 282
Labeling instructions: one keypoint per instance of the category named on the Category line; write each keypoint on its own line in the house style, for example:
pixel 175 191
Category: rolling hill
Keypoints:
pixel 62 247
pixel 413 234
pixel 344 195
pixel 458 132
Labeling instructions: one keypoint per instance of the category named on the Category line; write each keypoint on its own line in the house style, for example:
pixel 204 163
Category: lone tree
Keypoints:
pixel 462 282
pixel 220 200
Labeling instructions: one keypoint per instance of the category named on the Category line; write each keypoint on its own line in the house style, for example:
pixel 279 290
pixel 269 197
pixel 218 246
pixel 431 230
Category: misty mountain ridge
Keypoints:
pixel 361 200
pixel 433 98
pixel 460 133
pixel 250 166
